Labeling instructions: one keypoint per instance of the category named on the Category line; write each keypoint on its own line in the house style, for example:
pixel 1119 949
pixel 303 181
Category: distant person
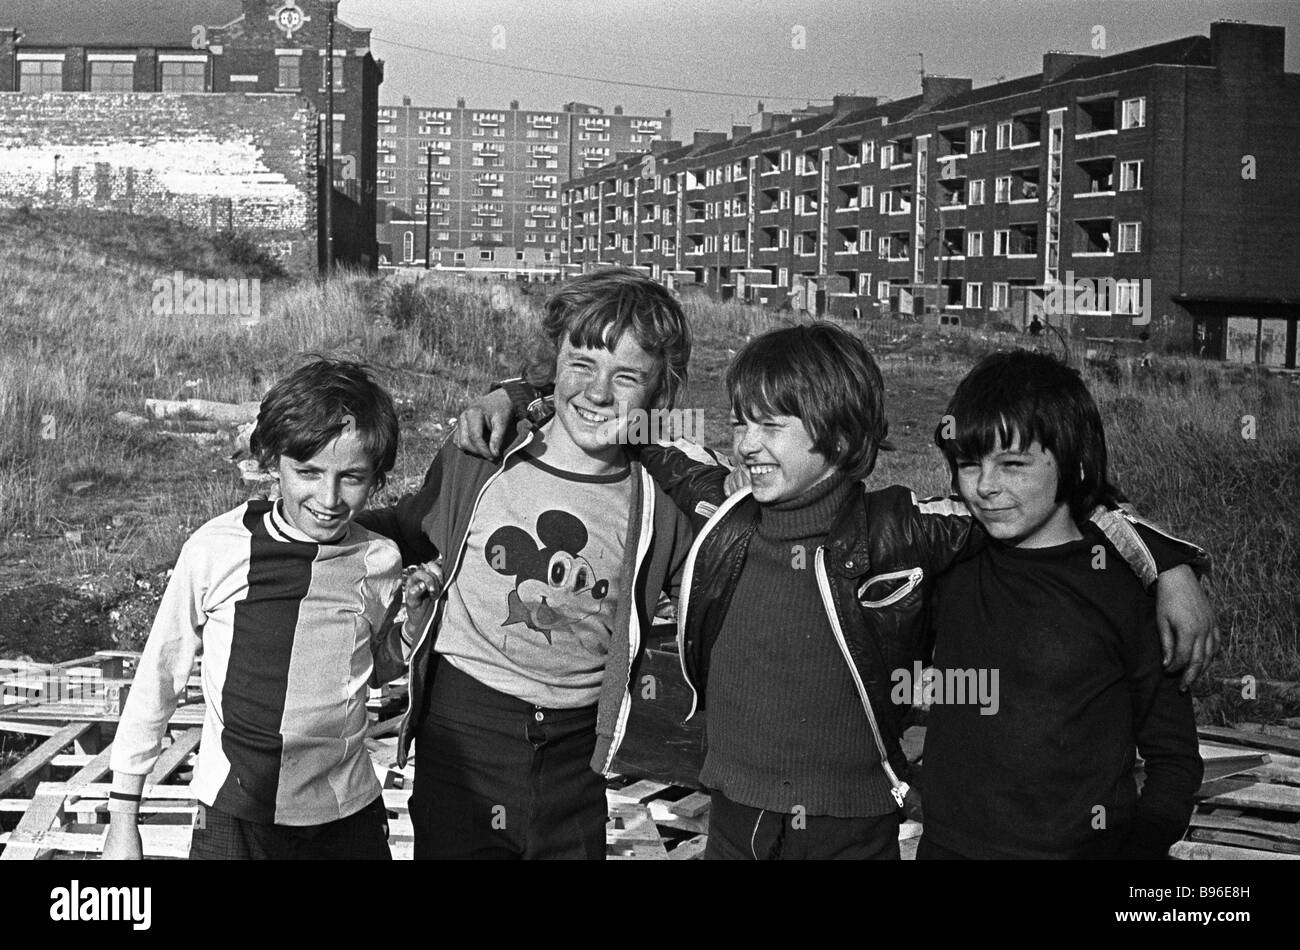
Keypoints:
pixel 1035 327
pixel 1050 605
pixel 284 598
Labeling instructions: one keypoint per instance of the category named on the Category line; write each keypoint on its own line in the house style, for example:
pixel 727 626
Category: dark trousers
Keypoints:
pixel 927 850
pixel 359 837
pixel 497 778
pixel 740 833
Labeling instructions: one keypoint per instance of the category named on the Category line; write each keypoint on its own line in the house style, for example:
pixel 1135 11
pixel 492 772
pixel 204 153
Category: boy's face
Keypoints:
pixel 323 493
pixel 1012 493
pixel 778 454
pixel 591 385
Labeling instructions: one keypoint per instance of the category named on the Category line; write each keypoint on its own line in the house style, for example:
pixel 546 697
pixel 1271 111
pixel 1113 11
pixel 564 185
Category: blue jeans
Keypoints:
pixel 497 778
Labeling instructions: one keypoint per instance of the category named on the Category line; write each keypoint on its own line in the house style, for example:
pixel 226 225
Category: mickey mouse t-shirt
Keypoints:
pixel 531 611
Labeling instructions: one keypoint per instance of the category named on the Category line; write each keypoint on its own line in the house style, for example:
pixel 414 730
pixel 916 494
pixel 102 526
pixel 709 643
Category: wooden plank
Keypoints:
pixel 692 806
pixel 31 764
pixel 190 714
pixel 1253 740
pixel 174 756
pixel 1206 851
pixel 635 794
pixel 1260 796
pixel 1229 819
pixel 157 841
pixel 29 728
pixel 46 809
pixel 94 770
pixel 692 849
pixel 630 834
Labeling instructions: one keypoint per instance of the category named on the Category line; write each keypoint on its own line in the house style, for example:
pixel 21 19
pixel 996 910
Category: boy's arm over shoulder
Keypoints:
pixel 403 522
pixel 383 611
pixel 692 476
pixel 934 531
pixel 164 667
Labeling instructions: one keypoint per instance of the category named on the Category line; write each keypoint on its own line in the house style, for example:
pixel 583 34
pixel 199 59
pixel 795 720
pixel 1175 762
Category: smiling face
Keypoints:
pixel 778 453
pixel 1012 493
pixel 322 494
pixel 591 386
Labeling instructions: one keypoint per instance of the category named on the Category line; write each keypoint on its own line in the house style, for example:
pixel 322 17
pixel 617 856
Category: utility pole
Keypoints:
pixel 329 138
pixel 428 203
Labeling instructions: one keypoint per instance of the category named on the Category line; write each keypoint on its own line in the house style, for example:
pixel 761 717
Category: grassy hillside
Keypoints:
pixel 93 514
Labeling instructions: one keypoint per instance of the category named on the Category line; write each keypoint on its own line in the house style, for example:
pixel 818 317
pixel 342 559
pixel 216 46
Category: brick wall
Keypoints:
pixel 241 161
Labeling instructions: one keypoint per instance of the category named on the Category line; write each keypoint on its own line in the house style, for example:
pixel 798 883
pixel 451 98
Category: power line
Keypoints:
pixel 611 82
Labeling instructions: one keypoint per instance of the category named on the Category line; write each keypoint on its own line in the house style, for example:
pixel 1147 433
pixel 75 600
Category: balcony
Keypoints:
pixel 1093 238
pixel 1095 117
pixel 1095 177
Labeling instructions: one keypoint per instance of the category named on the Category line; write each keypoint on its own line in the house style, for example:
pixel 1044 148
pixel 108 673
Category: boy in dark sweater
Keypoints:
pixel 1050 607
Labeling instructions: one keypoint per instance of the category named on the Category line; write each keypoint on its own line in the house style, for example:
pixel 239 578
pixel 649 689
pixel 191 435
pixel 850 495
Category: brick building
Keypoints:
pixel 1142 192
pixel 274 47
pixel 496 177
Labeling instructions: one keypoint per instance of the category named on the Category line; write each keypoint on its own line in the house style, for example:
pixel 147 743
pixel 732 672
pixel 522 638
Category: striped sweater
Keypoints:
pixel 284 624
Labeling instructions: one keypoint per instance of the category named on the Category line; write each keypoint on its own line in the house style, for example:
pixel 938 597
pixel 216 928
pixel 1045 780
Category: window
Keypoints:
pixel 867 196
pixel 868 152
pixel 1134 114
pixel 1130 176
pixel 975 191
pixel 784 201
pixel 882 248
pixel 408 246
pixel 1001 296
pixel 1004 134
pixel 978 140
pixel 886 156
pixel 179 76
pixel 1130 237
pixel 783 238
pixel 111 75
pixel 485 255
pixel 40 75
pixel 338 72
pixel 882 290
pixel 975 244
pixel 1128 296
pixel 288 76
pixel 975 296
pixel 1001 243
pixel 1002 190
pixel 785 161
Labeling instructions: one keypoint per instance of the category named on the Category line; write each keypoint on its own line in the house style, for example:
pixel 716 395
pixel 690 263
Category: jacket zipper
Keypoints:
pixel 460 556
pixel 634 619
pixel 913 576
pixel 897 788
pixel 688 576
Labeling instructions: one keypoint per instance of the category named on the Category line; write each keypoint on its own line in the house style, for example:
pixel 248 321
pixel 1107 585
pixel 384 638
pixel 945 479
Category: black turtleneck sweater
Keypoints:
pixel 786 727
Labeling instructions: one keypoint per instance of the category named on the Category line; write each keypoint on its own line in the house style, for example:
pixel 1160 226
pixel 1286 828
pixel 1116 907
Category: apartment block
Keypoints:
pixel 490 178
pixel 205 47
pixel 1145 192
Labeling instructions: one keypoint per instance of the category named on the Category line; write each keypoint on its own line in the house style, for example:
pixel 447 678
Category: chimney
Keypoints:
pixel 1240 48
pixel 618 110
pixel 1056 63
pixel 843 104
pixel 406 100
pixel 460 103
pixel 935 89
pixel 668 113
pixel 740 131
pixel 705 139
pixel 514 105
pixel 760 105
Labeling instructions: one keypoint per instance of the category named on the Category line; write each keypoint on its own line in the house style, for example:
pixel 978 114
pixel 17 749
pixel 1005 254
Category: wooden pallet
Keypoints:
pixel 1249 806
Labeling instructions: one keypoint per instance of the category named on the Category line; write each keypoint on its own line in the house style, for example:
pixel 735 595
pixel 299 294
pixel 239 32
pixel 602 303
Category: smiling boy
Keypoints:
pixel 284 598
pixel 1051 606
pixel 556 558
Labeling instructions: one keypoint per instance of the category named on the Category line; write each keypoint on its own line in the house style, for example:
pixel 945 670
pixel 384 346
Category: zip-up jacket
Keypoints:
pixel 875 573
pixel 437 518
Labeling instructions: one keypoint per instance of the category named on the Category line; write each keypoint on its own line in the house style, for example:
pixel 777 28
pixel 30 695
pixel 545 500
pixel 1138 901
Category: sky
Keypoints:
pixel 722 56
